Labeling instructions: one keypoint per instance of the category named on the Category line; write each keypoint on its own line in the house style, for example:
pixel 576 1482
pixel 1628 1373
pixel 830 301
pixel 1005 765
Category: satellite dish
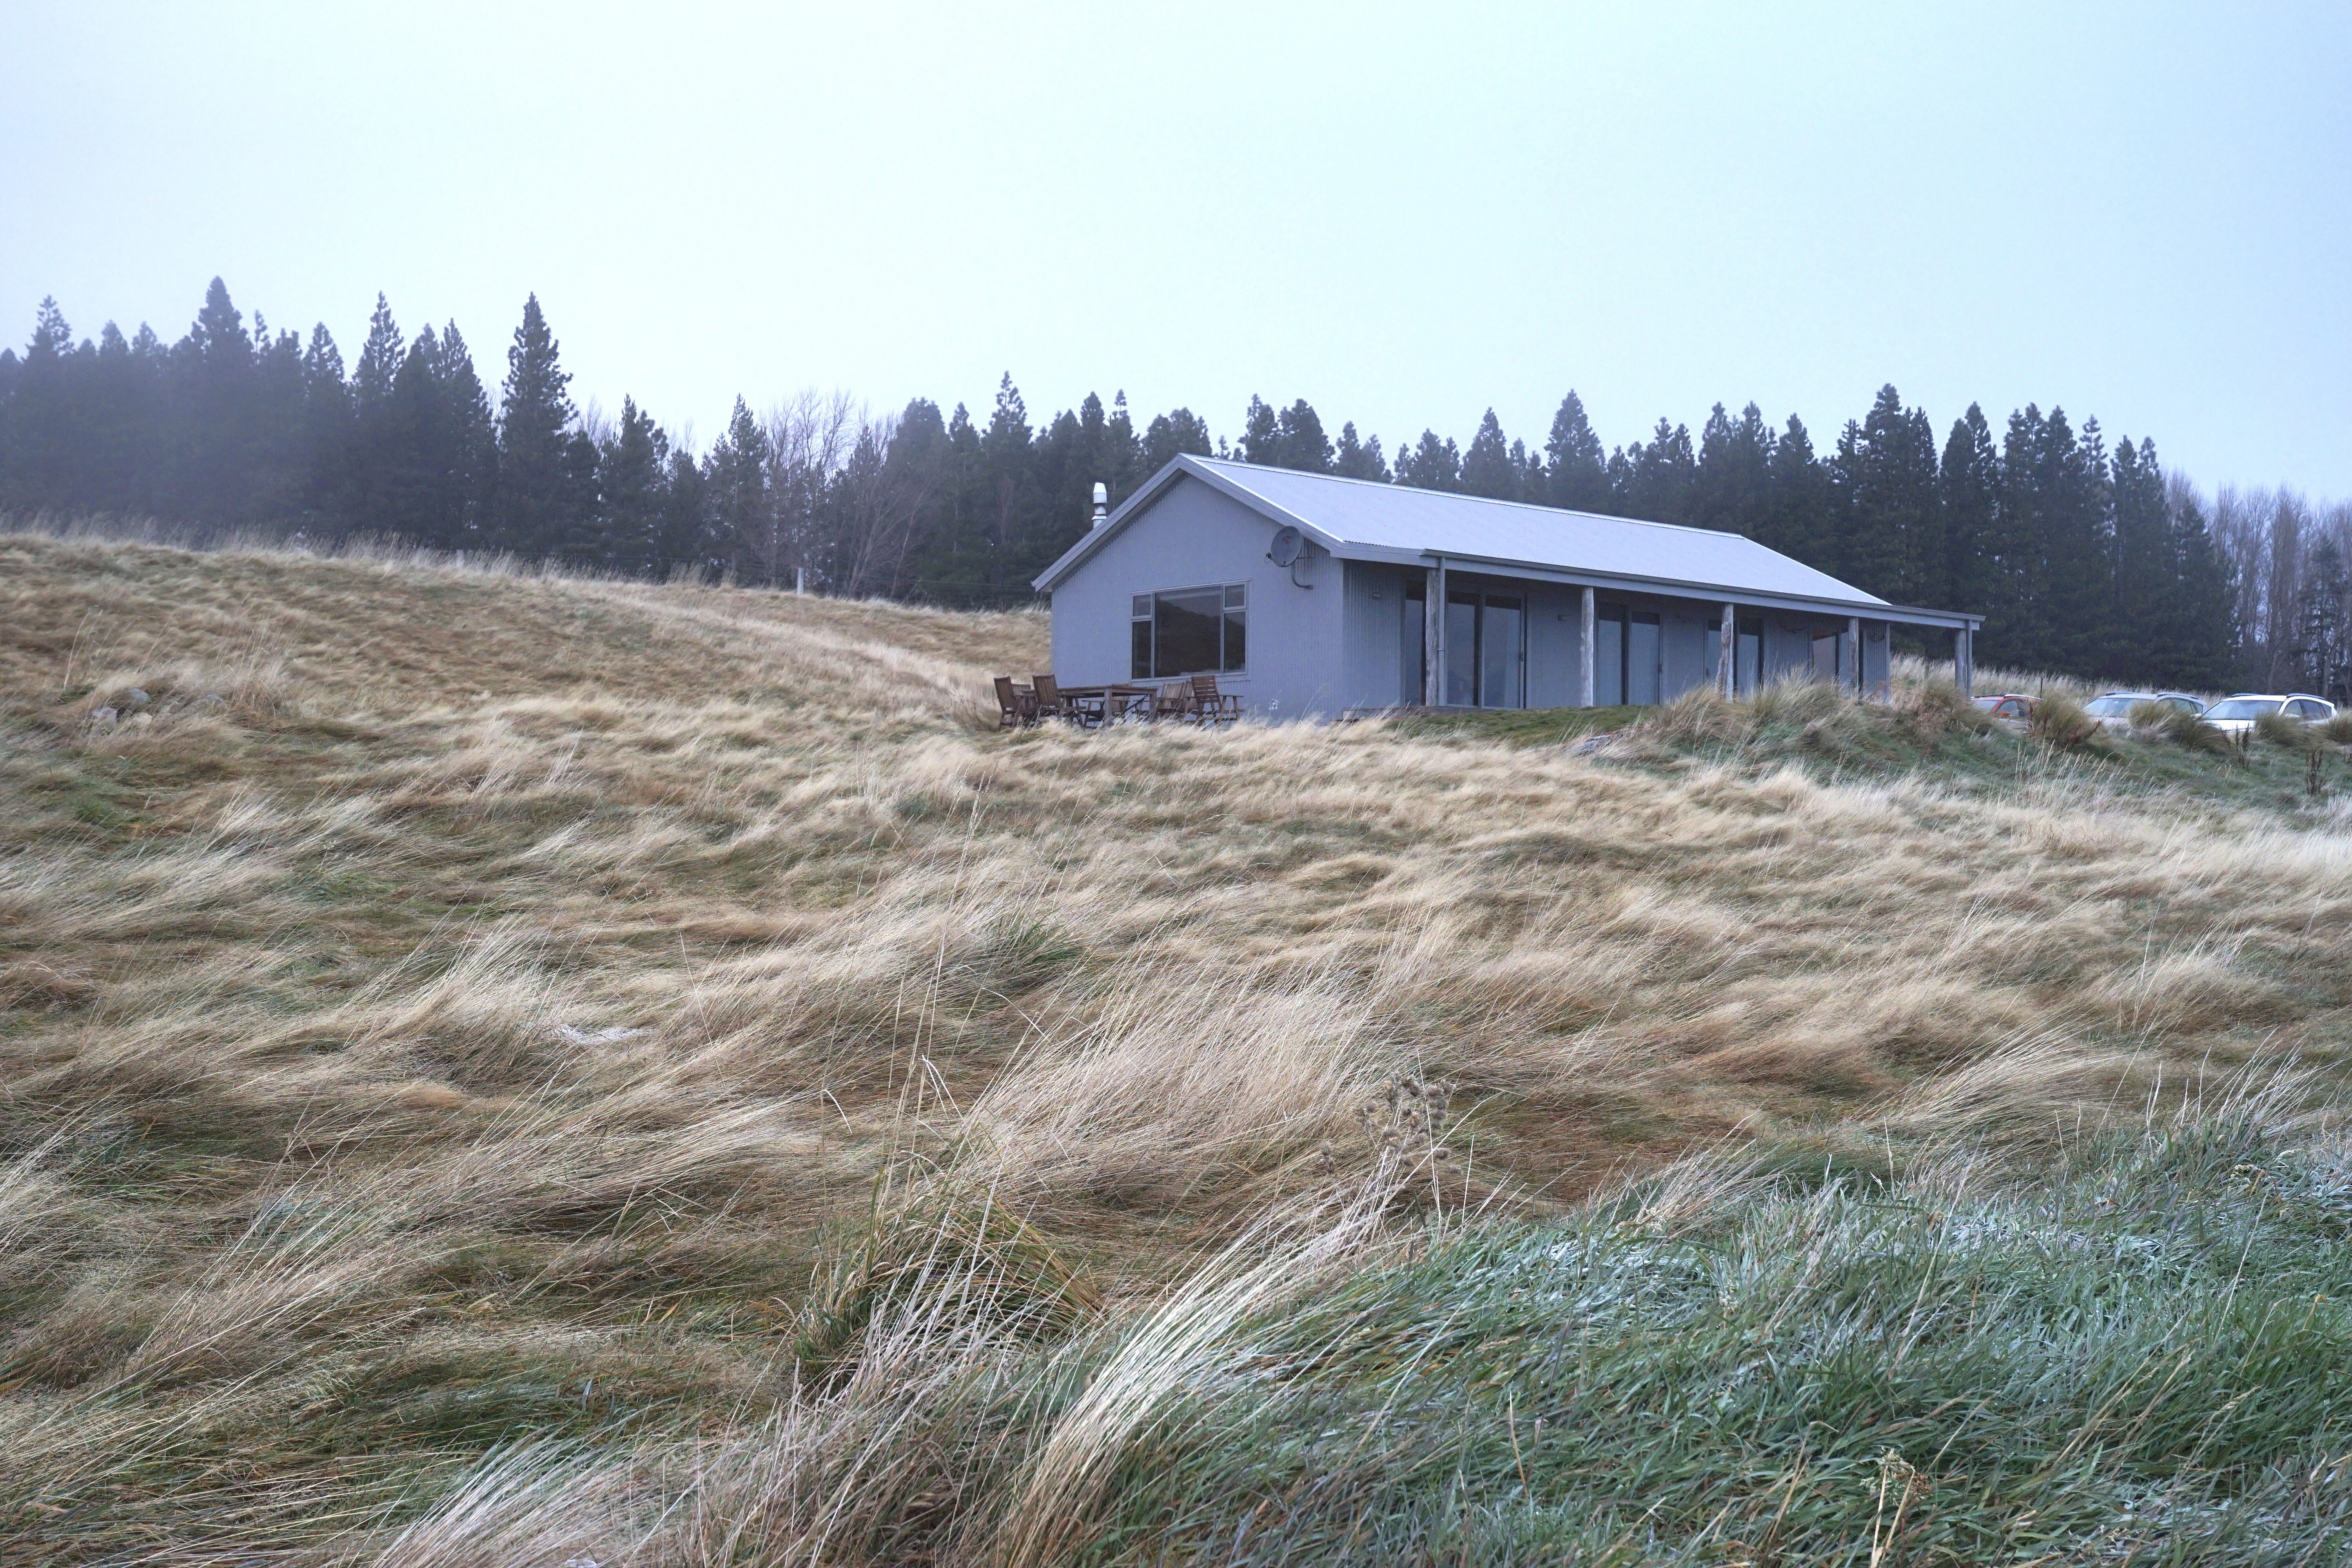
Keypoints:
pixel 1289 544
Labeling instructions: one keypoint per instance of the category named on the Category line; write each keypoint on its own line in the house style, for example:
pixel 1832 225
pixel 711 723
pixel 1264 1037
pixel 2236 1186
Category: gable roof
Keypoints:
pixel 1365 519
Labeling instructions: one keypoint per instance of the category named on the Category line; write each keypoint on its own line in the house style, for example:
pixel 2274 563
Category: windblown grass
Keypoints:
pixel 454 1045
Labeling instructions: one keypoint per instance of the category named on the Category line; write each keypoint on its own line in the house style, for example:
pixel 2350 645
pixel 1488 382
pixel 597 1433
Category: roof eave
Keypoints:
pixel 1870 608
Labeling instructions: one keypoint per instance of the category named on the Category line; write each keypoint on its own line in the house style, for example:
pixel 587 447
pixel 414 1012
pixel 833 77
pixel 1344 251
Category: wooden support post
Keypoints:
pixel 1964 660
pixel 1726 654
pixel 1589 685
pixel 1432 637
pixel 1851 672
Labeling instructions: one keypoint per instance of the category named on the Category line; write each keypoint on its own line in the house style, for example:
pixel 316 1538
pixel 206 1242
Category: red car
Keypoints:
pixel 2014 705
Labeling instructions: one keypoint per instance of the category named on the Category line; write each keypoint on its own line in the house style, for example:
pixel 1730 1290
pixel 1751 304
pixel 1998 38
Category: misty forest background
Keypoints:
pixel 2087 559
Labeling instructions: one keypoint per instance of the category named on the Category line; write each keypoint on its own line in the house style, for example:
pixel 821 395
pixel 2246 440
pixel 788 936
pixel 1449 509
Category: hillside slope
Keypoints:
pixel 458 1005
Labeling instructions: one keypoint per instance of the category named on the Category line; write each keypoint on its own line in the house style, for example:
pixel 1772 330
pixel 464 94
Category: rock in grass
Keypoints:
pixel 136 698
pixel 102 718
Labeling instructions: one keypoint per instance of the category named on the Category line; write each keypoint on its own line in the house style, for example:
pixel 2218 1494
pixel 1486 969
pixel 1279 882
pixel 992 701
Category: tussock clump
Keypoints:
pixel 946 1260
pixel 1701 717
pixel 1934 706
pixel 2287 734
pixel 2185 730
pixel 2338 728
pixel 2060 722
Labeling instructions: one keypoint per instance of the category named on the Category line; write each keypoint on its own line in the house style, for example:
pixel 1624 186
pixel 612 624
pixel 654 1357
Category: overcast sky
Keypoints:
pixel 1404 215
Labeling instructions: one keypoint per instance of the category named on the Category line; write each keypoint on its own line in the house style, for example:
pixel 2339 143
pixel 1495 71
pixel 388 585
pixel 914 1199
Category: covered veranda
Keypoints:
pixel 1491 634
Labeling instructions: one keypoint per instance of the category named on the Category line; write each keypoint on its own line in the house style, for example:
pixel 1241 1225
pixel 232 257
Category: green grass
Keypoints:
pixel 1866 740
pixel 1524 727
pixel 2139 1359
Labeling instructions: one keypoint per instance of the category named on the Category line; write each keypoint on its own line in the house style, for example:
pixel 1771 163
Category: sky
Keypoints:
pixel 1406 214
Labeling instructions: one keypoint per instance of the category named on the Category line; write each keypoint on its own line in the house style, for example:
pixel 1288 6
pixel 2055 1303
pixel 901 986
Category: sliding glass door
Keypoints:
pixel 1485 647
pixel 1626 649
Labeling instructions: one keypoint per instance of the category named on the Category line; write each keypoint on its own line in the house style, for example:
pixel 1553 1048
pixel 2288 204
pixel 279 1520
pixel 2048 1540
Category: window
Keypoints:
pixel 1189 631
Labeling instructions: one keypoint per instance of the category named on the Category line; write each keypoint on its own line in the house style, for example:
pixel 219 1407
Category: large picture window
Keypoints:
pixel 1189 631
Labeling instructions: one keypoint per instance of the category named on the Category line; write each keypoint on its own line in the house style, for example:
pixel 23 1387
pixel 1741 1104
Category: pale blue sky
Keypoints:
pixel 1402 213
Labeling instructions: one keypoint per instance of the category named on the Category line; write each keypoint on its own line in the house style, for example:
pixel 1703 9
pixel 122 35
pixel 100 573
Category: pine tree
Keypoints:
pixel 2144 563
pixel 1005 453
pixel 1261 437
pixel 1299 441
pixel 1655 482
pixel 38 437
pixel 1576 469
pixel 742 511
pixel 1430 464
pixel 1797 498
pixel 216 440
pixel 537 503
pixel 2199 647
pixel 2054 525
pixel 473 442
pixel 327 432
pixel 1968 482
pixel 1487 468
pixel 1178 432
pixel 1884 488
pixel 1735 465
pixel 689 543
pixel 1124 460
pixel 379 362
pixel 1358 460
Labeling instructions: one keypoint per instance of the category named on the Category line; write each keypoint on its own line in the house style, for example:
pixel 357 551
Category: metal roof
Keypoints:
pixel 1366 520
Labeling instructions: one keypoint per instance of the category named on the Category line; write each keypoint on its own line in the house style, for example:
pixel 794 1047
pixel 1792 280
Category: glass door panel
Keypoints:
pixel 1642 647
pixel 1608 656
pixel 1411 663
pixel 1501 642
pixel 1461 651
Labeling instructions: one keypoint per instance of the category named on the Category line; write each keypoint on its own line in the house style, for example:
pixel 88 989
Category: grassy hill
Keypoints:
pixel 503 1068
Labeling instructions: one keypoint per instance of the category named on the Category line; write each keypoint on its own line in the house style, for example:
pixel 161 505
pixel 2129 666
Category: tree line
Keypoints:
pixel 2084 558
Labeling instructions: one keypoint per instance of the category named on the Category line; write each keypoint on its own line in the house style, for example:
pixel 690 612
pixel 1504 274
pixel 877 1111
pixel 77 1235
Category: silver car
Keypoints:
pixel 2112 709
pixel 2234 716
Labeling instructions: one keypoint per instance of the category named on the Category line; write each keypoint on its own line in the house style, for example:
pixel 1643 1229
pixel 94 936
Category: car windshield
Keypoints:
pixel 2243 707
pixel 2114 707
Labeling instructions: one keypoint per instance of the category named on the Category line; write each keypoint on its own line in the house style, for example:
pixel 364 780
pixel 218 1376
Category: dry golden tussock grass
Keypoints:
pixel 443 1004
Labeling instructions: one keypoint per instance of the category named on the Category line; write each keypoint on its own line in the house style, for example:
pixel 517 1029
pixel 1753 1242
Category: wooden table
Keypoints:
pixel 1114 702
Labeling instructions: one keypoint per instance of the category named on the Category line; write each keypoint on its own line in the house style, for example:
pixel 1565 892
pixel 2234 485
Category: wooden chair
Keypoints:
pixel 1172 700
pixel 1015 708
pixel 1211 708
pixel 1052 704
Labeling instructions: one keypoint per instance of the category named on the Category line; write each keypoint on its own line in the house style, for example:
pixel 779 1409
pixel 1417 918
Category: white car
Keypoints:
pixel 2235 716
pixel 2112 709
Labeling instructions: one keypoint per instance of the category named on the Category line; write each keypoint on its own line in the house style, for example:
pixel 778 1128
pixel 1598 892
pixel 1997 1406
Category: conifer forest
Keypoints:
pixel 2087 557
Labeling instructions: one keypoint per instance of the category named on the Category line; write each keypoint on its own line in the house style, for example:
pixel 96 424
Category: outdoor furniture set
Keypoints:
pixel 1192 701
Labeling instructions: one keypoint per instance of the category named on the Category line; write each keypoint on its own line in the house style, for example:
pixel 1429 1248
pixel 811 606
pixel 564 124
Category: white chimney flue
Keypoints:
pixel 1102 504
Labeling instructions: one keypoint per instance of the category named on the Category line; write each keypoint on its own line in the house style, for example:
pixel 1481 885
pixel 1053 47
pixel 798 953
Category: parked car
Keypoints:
pixel 2234 716
pixel 2014 705
pixel 2112 709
